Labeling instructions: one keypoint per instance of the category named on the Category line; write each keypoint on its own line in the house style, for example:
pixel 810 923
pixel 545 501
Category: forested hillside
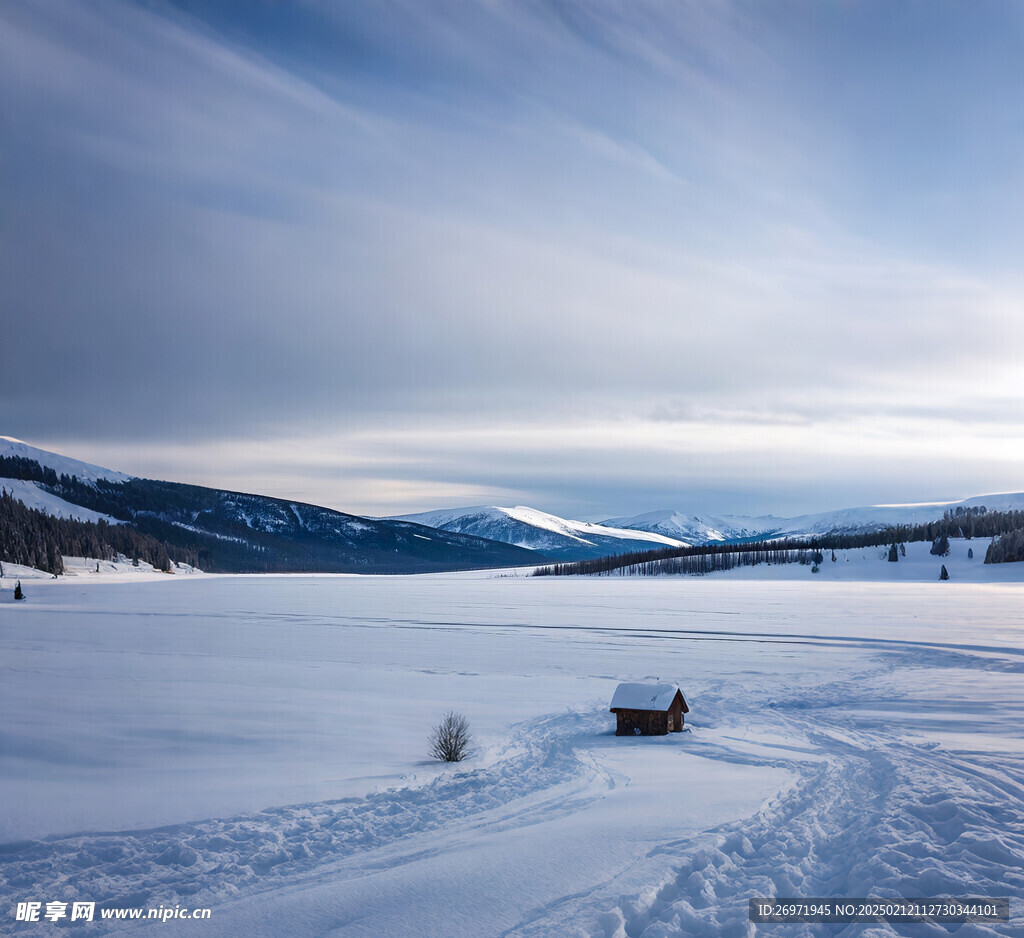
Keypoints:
pixel 234 532
pixel 36 539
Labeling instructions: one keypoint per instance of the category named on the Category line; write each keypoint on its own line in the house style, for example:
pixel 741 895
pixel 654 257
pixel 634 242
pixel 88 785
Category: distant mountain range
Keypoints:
pixel 576 540
pixel 700 529
pixel 235 532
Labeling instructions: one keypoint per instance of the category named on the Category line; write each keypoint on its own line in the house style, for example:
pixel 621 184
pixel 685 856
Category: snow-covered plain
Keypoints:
pixel 258 745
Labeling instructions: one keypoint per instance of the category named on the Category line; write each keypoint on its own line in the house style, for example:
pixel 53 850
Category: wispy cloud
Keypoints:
pixel 463 234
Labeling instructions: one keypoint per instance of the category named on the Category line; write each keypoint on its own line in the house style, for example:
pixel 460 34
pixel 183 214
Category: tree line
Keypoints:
pixel 35 539
pixel 696 561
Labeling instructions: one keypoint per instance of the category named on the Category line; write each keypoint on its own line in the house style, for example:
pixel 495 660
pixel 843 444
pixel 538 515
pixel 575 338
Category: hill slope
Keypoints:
pixel 237 532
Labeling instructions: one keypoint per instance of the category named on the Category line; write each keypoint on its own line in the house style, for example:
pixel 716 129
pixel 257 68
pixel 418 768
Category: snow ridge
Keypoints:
pixel 580 529
pixel 65 465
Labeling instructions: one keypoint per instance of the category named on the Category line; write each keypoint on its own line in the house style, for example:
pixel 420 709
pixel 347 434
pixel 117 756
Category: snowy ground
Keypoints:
pixel 89 568
pixel 258 745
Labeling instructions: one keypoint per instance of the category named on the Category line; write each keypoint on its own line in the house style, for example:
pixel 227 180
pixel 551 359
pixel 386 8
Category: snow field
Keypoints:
pixel 846 738
pixel 870 565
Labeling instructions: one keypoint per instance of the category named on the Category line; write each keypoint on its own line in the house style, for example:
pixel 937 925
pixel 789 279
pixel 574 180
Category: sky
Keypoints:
pixel 593 257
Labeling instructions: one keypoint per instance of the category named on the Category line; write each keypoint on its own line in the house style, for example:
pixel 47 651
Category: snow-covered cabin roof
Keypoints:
pixel 646 697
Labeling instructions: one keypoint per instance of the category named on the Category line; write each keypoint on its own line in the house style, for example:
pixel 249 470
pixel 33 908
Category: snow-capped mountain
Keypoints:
pixel 706 528
pixel 537 530
pixel 700 529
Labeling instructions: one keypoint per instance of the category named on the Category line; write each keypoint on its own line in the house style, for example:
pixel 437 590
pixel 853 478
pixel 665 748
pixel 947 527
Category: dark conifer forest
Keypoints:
pixel 36 539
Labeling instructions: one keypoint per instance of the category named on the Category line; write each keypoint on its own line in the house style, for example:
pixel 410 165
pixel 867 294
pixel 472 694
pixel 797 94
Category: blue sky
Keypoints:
pixel 599 258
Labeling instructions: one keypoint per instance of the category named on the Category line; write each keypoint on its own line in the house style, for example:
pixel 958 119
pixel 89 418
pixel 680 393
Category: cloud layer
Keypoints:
pixel 596 257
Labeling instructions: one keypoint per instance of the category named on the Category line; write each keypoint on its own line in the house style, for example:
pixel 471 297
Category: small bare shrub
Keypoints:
pixel 449 740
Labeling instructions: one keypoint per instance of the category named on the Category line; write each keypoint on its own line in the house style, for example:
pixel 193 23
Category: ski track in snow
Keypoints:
pixel 540 774
pixel 871 814
pixel 879 817
pixel 896 823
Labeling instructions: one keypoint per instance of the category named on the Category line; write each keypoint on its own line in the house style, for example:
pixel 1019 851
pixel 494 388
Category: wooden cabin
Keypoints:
pixel 648 709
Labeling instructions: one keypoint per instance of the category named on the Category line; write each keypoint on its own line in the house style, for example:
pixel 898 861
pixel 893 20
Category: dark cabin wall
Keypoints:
pixel 677 715
pixel 649 722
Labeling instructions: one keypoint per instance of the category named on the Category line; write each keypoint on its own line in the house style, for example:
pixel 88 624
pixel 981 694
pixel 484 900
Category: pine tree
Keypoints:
pixel 944 574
